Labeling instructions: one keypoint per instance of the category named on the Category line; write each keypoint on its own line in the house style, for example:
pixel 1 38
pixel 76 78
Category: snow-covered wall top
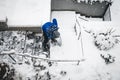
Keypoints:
pixel 93 0
pixel 25 12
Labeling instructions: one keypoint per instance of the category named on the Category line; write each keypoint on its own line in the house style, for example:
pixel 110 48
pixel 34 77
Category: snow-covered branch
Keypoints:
pixel 12 52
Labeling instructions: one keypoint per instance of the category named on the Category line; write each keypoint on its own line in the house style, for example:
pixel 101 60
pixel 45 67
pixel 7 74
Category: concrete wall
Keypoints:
pixel 107 16
pixel 96 9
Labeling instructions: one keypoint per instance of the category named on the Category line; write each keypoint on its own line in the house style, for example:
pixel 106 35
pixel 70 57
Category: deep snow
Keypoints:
pixel 115 10
pixel 70 46
pixel 94 67
pixel 25 12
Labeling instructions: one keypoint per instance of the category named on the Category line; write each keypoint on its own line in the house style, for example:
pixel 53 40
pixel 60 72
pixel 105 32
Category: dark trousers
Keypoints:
pixel 45 44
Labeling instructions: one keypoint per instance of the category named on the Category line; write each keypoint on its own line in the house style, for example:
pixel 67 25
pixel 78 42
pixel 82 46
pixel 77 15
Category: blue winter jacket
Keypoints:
pixel 49 27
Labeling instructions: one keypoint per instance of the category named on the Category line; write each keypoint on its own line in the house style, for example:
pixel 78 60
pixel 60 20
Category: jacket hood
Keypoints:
pixel 55 22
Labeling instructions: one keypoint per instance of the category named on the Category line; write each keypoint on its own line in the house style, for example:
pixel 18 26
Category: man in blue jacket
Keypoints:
pixel 50 31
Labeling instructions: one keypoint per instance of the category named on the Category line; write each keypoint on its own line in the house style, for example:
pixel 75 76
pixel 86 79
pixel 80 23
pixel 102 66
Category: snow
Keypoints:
pixel 24 70
pixel 115 10
pixel 70 46
pixel 93 54
pixel 25 12
pixel 92 68
pixel 83 18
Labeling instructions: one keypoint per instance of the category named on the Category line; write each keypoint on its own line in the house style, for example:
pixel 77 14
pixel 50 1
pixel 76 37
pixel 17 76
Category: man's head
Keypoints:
pixel 56 34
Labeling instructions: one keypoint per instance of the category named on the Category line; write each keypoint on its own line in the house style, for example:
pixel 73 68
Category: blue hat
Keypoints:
pixel 55 22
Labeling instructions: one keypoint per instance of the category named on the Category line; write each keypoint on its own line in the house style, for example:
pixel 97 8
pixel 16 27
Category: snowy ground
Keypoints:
pixel 115 10
pixel 92 54
pixel 70 44
pixel 94 66
pixel 25 12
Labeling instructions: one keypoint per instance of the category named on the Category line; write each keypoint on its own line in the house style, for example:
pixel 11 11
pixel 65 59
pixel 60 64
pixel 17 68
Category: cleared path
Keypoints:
pixel 71 47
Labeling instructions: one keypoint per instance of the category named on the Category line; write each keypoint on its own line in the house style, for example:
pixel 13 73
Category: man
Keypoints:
pixel 50 31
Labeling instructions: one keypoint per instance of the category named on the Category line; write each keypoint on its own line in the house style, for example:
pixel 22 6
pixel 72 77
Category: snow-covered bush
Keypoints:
pixel 105 40
pixel 24 66
pixel 108 58
pixel 7 71
pixel 20 41
pixel 12 40
pixel 24 71
pixel 29 69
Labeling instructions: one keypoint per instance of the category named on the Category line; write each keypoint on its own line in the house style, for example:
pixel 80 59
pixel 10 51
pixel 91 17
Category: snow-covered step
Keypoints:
pixel 71 48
